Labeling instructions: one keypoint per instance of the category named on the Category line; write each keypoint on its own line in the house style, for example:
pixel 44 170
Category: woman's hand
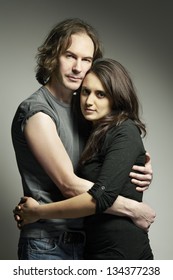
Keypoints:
pixel 26 211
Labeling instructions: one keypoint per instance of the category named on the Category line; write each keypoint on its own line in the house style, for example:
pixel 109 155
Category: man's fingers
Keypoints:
pixel 140 183
pixel 138 176
pixel 17 218
pixel 17 212
pixel 139 168
pixel 17 209
pixel 143 169
pixel 141 189
pixel 23 200
pixel 19 225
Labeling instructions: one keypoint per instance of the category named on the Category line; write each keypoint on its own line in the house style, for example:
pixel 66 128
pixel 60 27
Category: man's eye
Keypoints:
pixel 69 55
pixel 87 60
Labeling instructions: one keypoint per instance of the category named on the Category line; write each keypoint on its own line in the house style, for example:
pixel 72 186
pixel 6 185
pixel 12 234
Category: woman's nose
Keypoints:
pixel 90 100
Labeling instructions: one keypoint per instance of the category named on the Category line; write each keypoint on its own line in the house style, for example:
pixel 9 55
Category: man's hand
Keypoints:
pixel 143 216
pixel 142 180
pixel 25 212
pixel 140 213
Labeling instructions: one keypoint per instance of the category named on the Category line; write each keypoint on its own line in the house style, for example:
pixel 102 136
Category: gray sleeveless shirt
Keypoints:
pixel 35 181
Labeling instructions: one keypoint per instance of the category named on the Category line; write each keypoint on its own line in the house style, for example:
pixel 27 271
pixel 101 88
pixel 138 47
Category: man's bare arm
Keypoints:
pixel 44 142
pixel 41 134
pixel 42 137
pixel 30 211
pixel 140 213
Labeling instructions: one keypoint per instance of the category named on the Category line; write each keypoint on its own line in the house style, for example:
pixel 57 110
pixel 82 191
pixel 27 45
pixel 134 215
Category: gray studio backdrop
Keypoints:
pixel 138 33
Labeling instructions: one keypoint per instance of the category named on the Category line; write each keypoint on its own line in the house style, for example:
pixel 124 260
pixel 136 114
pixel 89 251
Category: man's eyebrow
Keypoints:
pixel 70 52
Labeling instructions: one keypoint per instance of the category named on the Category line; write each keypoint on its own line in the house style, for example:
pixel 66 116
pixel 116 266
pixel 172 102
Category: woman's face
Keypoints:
pixel 94 101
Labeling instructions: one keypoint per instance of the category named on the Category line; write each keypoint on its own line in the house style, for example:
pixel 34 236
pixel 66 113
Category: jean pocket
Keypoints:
pixel 42 245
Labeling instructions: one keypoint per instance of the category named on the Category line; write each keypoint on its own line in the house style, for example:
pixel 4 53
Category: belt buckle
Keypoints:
pixel 72 237
pixel 67 237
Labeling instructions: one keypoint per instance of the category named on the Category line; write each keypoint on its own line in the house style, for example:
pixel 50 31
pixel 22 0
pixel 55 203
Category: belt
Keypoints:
pixel 72 237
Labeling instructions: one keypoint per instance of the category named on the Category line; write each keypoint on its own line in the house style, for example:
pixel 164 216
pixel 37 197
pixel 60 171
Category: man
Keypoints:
pixel 45 129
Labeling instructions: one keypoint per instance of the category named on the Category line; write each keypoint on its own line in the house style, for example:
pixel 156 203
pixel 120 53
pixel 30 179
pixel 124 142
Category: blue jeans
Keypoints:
pixel 52 248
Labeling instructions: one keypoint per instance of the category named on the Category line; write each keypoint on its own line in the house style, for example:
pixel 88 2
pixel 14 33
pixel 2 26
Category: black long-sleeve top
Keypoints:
pixel 110 168
pixel 111 236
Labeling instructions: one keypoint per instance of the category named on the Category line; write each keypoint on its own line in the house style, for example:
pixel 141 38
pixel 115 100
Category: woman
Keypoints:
pixel 108 100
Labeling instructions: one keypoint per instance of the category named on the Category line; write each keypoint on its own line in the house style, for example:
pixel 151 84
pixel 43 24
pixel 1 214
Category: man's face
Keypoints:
pixel 75 62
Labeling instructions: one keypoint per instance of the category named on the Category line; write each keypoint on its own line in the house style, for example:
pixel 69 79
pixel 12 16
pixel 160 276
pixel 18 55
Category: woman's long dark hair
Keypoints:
pixel 119 88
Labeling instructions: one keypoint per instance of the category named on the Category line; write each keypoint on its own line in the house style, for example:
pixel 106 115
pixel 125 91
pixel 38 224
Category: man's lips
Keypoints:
pixel 74 78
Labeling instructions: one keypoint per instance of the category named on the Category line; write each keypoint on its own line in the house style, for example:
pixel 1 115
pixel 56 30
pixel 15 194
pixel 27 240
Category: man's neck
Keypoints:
pixel 57 90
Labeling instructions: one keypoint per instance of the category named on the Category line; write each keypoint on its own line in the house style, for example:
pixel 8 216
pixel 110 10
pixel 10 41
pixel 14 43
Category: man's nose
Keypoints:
pixel 77 66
